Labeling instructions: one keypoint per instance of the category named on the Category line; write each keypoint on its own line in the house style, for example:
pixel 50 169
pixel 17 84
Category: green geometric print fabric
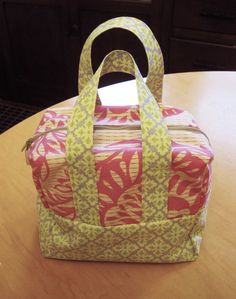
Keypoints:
pixel 166 241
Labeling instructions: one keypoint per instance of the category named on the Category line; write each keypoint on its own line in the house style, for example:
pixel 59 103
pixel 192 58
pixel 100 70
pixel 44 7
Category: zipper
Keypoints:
pixel 113 127
pixel 138 128
pixel 32 139
pixel 117 127
pixel 186 128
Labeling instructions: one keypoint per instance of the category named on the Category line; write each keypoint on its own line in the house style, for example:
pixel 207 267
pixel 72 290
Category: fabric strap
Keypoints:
pixel 151 46
pixel 156 153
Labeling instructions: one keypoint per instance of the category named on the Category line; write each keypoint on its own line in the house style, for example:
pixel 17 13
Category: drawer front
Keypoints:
pixel 196 56
pixel 210 15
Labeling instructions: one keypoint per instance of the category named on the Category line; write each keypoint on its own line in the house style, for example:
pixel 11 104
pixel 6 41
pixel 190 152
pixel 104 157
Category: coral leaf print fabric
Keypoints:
pixel 47 158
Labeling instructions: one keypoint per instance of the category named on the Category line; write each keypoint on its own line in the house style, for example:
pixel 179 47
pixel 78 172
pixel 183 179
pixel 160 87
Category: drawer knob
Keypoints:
pixel 74 30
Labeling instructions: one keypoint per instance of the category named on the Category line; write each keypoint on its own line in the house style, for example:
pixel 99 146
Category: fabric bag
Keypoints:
pixel 124 184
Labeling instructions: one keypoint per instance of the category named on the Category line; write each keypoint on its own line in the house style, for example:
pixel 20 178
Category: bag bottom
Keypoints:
pixel 167 241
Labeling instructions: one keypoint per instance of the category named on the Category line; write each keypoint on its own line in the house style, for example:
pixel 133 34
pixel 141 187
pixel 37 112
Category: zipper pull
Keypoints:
pixel 26 147
pixel 27 144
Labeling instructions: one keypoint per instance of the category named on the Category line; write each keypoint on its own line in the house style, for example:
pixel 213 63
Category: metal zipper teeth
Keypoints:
pixel 138 128
pixel 186 128
pixel 113 127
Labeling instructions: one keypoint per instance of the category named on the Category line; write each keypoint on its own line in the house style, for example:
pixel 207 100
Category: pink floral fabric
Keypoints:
pixel 118 155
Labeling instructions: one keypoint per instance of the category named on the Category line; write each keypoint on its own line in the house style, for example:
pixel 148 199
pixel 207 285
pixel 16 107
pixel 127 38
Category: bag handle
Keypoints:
pixel 151 46
pixel 156 149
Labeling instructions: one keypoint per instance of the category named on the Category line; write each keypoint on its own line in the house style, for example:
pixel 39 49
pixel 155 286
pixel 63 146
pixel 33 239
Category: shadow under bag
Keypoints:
pixel 124 184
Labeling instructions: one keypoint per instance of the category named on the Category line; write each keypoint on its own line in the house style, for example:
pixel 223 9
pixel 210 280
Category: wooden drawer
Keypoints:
pixel 197 56
pixel 209 15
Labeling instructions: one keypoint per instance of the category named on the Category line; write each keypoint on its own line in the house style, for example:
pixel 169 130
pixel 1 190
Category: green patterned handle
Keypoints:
pixel 156 150
pixel 151 46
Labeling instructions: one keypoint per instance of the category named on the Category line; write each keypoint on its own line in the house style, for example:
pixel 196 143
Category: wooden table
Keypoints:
pixel 24 273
